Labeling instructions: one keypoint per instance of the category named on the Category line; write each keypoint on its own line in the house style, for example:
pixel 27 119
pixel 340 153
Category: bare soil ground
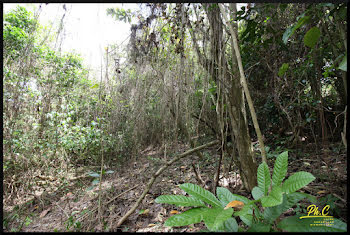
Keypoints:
pixel 75 208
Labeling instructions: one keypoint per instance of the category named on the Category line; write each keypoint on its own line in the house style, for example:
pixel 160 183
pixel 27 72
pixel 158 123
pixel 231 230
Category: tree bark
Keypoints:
pixel 245 86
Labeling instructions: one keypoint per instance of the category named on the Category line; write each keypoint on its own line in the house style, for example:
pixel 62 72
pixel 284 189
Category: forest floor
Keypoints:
pixel 75 207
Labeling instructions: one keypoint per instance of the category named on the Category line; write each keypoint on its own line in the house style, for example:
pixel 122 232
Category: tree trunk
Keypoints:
pixel 220 74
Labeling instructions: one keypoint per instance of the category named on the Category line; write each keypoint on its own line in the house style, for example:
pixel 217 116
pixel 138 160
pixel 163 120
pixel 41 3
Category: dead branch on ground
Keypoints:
pixel 160 171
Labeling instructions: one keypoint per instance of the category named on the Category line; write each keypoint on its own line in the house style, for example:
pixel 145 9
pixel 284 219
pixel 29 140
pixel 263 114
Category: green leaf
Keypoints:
pixel 264 179
pixel 95 181
pixel 257 193
pixel 179 200
pixel 259 228
pixel 247 209
pixel 188 217
pixel 94 86
pixel 247 219
pixel 201 193
pixel 302 21
pixel 343 64
pixel 287 34
pixel 94 174
pixel 225 196
pixel 297 181
pixel 283 69
pixel 275 197
pixel 290 31
pixel 215 217
pixel 289 200
pixel 280 168
pixel 311 37
pixel 295 224
pixel 230 225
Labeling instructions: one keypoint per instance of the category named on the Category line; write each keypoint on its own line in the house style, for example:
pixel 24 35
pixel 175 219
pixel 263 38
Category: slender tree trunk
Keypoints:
pixel 244 84
pixel 219 72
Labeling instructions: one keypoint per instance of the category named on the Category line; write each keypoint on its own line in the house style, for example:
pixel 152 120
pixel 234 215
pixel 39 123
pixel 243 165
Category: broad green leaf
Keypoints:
pixel 283 69
pixel 264 179
pixel 311 37
pixel 215 217
pixel 280 168
pixel 259 228
pixel 247 209
pixel 188 217
pixel 295 224
pixel 289 200
pixel 201 193
pixel 247 219
pixel 297 181
pixel 230 225
pixel 343 64
pixel 275 197
pixel 225 196
pixel 179 200
pixel 257 193
pixel 94 86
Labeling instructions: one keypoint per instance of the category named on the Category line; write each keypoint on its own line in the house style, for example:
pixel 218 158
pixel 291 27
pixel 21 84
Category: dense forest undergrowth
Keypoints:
pixel 207 94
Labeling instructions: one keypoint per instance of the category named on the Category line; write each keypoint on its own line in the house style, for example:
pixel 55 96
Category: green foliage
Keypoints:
pixel 264 179
pixel 275 202
pixel 215 218
pixel 188 217
pixel 283 69
pixel 201 194
pixel 18 25
pixel 290 31
pixel 297 181
pixel 179 200
pixel 295 224
pixel 280 169
pixel 343 65
pixel 311 37
pixel 120 14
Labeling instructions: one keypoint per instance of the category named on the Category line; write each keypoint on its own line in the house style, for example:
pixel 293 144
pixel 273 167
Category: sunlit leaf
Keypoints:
pixel 94 86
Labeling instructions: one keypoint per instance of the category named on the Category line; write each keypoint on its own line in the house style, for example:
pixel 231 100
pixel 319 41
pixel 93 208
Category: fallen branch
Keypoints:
pixel 160 171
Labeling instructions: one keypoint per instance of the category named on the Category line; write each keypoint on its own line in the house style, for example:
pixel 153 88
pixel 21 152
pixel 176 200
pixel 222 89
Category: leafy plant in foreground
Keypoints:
pixel 274 195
